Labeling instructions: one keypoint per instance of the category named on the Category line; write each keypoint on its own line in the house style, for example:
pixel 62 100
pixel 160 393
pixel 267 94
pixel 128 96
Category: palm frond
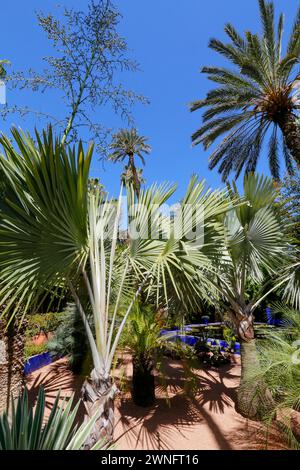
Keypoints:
pixel 259 85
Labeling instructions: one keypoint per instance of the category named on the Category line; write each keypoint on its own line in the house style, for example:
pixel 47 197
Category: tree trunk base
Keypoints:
pixel 254 400
pixel 98 397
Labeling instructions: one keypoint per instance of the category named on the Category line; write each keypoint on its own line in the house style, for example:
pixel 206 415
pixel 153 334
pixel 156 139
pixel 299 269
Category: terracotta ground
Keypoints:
pixel 205 420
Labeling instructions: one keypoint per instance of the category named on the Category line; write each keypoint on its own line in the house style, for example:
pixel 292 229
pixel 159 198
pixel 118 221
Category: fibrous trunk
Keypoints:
pixel 290 129
pixel 254 400
pixel 143 383
pixel 98 395
pixel 11 362
pixel 136 180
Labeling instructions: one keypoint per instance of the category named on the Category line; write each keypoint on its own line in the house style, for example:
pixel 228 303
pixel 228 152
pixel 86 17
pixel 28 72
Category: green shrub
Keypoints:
pixel 26 429
pixel 229 336
pixel 31 349
pixel 48 322
pixel 70 340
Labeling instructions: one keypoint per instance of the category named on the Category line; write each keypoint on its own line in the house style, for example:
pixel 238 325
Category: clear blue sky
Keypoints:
pixel 169 39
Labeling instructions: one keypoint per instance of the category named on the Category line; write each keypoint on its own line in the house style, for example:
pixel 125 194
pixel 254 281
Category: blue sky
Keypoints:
pixel 169 39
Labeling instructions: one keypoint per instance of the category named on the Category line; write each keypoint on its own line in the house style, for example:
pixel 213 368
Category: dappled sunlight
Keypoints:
pixel 55 378
pixel 204 418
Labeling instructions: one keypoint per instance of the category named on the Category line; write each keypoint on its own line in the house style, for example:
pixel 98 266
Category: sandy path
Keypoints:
pixel 205 420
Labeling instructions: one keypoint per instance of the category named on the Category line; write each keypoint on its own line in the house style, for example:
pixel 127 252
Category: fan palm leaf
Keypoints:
pixel 53 231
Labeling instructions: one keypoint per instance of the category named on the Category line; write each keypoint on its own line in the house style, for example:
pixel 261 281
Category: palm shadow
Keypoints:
pixel 213 390
pixel 154 427
pixel 58 378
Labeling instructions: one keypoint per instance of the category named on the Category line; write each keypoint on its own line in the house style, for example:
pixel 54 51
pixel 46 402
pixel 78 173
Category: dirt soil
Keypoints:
pixel 204 419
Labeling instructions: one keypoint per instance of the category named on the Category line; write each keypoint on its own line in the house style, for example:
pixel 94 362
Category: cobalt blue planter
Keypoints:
pixel 36 362
pixel 192 340
pixel 188 339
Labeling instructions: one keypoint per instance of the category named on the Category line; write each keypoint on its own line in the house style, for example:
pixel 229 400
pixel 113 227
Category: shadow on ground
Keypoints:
pixel 195 417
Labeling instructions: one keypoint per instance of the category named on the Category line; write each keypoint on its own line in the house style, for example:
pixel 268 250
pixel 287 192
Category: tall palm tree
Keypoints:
pixel 55 232
pixel 256 99
pixel 125 145
pixel 255 250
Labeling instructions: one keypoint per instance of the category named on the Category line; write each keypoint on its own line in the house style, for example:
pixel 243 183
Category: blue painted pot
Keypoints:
pixel 36 362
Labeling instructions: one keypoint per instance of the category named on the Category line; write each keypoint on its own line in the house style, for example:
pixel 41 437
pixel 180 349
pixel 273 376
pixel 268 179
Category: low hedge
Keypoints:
pixel 31 349
pixel 47 322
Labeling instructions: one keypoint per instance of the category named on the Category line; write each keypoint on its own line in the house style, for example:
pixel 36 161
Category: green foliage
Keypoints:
pixel 37 323
pixel 229 336
pixel 142 335
pixel 70 339
pixel 96 187
pixel 89 56
pixel 290 191
pixel 46 322
pixel 214 354
pixel 280 368
pixel 51 235
pixel 32 349
pixel 26 429
pixel 127 144
pixel 254 100
pixel 148 348
pixel 255 244
pixel 3 72
pixel 48 186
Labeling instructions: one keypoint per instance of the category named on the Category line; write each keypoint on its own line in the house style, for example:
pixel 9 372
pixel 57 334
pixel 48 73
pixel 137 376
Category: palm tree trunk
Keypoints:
pixel 11 362
pixel 98 395
pixel 252 395
pixel 290 129
pixel 254 400
pixel 136 180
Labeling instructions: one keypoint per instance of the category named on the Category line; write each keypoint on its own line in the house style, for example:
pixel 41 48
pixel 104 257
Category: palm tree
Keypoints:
pixel 125 145
pixel 11 335
pixel 142 338
pixel 255 250
pixel 291 281
pixel 55 232
pixel 255 100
